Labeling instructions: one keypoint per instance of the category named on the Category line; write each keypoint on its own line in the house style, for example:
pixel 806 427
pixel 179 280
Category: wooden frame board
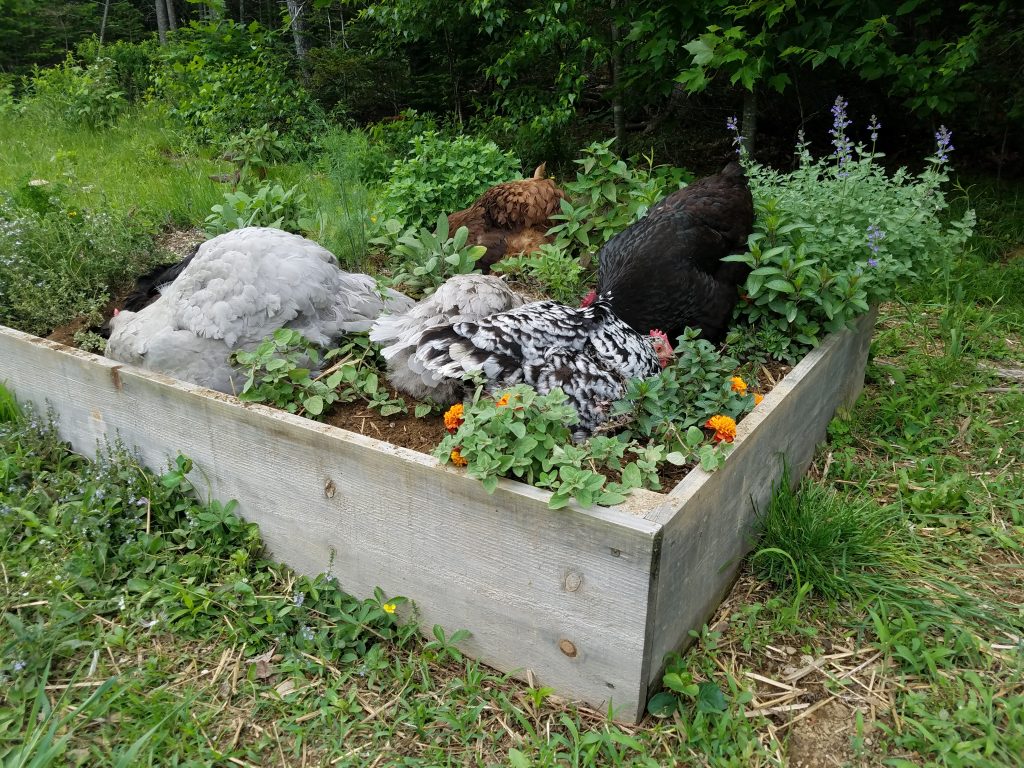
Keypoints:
pixel 588 600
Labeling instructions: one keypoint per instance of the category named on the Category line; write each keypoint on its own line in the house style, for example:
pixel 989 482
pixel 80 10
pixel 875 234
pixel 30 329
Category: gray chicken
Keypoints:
pixel 238 289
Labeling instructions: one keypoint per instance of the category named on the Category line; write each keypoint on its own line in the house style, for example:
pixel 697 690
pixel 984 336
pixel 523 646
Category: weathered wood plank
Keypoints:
pixel 616 588
pixel 525 580
pixel 709 519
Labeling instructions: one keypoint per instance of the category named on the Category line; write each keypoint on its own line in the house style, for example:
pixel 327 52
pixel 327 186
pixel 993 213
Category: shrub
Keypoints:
pixel 389 140
pixel 132 63
pixel 840 233
pixel 271 205
pixel 59 261
pixel 79 94
pixel 443 175
pixel 427 258
pixel 608 195
pixel 223 79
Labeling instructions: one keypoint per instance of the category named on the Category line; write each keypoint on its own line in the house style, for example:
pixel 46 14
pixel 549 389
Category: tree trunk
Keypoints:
pixel 298 23
pixel 103 24
pixel 161 21
pixel 749 127
pixel 172 21
pixel 618 115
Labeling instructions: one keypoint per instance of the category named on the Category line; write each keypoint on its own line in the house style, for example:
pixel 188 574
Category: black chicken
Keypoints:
pixel 665 271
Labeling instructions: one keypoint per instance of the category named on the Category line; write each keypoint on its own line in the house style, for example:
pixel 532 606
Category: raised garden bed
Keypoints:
pixel 588 600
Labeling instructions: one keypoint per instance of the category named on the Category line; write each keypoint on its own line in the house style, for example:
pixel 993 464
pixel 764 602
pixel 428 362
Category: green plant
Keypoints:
pixel 675 406
pixel 816 538
pixel 79 95
pixel 279 373
pixel 271 205
pixel 440 174
pixel 60 260
pixel 839 234
pixel 90 341
pixel 529 436
pixel 427 258
pixel 255 150
pixel 608 195
pixel 558 275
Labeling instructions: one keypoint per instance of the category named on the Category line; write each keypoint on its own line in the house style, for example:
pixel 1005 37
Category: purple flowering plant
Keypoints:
pixel 841 232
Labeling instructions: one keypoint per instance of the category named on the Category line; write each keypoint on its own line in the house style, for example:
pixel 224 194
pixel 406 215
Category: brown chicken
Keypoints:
pixel 510 218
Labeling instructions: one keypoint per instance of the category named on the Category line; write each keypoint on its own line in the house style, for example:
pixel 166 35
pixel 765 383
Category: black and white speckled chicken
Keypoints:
pixel 665 271
pixel 588 352
pixel 462 298
pixel 239 288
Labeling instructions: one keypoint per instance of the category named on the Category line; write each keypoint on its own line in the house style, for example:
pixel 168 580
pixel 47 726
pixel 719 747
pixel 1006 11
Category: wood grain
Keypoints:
pixel 374 514
pixel 589 601
pixel 709 519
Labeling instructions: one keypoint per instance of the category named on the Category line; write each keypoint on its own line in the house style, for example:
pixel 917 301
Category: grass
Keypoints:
pixel 878 622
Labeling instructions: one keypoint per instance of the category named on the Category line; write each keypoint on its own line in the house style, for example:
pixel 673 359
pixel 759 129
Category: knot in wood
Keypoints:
pixel 573 581
pixel 567 647
pixel 329 489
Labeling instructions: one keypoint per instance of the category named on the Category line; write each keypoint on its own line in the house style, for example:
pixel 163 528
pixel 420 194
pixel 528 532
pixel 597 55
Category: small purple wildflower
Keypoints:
pixel 732 124
pixel 943 145
pixel 307 633
pixel 299 598
pixel 875 234
pixel 872 262
pixel 18 666
pixel 874 127
pixel 840 122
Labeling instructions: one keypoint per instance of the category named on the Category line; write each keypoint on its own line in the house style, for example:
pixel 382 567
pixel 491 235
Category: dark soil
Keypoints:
pixel 406 430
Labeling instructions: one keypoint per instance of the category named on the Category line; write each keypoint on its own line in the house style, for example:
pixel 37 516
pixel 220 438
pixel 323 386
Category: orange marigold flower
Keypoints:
pixel 453 417
pixel 457 459
pixel 502 401
pixel 738 385
pixel 758 397
pixel 724 426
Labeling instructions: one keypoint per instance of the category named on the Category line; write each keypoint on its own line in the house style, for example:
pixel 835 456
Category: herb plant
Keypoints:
pixel 271 205
pixel 426 259
pixel 841 233
pixel 528 436
pixel 280 373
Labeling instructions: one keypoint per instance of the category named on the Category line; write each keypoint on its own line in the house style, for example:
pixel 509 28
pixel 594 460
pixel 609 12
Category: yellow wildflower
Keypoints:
pixel 739 385
pixel 388 607
pixel 724 426
pixel 758 397
pixel 502 401
pixel 453 418
pixel 457 459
